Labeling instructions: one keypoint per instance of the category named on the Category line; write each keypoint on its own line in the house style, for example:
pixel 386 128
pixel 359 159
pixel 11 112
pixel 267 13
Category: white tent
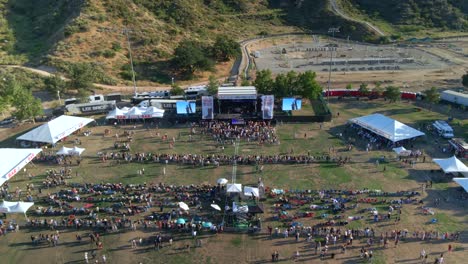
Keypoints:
pixel 15 207
pixel 401 151
pixel 234 188
pixel 135 113
pixel 249 191
pixel 452 165
pixel 117 114
pixel 56 129
pixel 386 127
pixel 64 151
pixel 76 151
pixel 463 182
pixel 13 160
pixel 222 181
pixel 183 206
pixel 153 112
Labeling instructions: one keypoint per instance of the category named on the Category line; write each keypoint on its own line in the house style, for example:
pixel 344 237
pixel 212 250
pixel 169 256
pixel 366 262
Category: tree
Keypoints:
pixel 81 75
pixel 176 90
pixel 392 93
pixel 465 80
pixel 264 82
pixel 280 88
pixel 432 96
pixel 225 48
pixel 308 86
pixel 27 107
pixel 189 57
pixel 55 83
pixel 213 85
pixel 4 105
pixel 245 82
pixel 363 89
pixel 349 86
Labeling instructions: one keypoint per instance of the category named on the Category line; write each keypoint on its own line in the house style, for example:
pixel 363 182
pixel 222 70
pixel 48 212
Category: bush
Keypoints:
pixel 109 54
pixel 116 46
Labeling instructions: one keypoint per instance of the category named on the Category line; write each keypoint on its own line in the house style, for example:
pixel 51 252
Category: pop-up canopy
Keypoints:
pixel 64 151
pixel 56 129
pixel 234 188
pixel 249 191
pixel 13 160
pixel 15 207
pixel 386 127
pixel 452 165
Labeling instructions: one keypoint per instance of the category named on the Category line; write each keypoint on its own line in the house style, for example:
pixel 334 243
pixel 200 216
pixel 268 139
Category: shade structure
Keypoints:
pixel 15 207
pixel 386 127
pixel 401 151
pixel 463 182
pixel 251 191
pixel 117 114
pixel 222 181
pixel 77 151
pixel 13 160
pixel 180 221
pixel 153 112
pixel 55 130
pixel 183 206
pixel 234 188
pixel 135 113
pixel 452 165
pixel 64 151
pixel 216 207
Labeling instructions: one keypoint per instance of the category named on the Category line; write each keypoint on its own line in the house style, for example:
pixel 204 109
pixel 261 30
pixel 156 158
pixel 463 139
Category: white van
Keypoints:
pixel 443 129
pixel 195 91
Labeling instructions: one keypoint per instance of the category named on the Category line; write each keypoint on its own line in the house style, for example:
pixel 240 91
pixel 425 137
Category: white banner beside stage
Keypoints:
pixel 268 103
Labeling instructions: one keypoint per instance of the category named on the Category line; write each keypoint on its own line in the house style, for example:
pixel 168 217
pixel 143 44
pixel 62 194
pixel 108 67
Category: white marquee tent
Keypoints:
pixel 13 160
pixel 463 182
pixel 452 165
pixel 15 207
pixel 64 151
pixel 55 130
pixel 401 151
pixel 136 113
pixel 387 127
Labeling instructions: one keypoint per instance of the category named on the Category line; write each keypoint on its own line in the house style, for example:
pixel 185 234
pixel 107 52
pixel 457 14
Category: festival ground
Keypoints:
pixel 295 139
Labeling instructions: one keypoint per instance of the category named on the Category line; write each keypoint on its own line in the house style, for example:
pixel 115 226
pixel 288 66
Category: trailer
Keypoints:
pixel 454 97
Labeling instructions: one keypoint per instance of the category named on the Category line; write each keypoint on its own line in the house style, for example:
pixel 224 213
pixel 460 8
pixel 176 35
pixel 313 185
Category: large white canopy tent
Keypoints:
pixel 387 127
pixel 13 160
pixel 55 130
pixel 452 165
pixel 463 182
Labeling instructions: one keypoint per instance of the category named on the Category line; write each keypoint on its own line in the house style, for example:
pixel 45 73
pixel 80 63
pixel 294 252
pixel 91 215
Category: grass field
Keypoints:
pixel 295 139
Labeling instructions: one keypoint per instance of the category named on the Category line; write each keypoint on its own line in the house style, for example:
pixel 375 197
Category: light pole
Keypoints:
pixel 332 30
pixel 172 81
pixel 58 95
pixel 131 61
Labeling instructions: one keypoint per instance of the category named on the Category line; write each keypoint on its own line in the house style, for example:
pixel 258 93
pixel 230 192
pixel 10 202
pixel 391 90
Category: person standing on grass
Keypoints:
pixel 423 254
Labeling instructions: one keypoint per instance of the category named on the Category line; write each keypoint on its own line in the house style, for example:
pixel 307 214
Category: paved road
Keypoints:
pixel 340 12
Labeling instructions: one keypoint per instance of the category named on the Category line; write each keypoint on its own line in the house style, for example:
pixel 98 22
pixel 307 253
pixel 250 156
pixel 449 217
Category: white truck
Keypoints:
pixel 97 104
pixel 443 129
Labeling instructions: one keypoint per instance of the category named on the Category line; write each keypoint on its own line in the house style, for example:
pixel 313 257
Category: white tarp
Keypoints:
pixel 222 181
pixel 15 207
pixel 76 151
pixel 249 191
pixel 387 127
pixel 13 160
pixel 56 129
pixel 452 165
pixel 463 182
pixel 234 188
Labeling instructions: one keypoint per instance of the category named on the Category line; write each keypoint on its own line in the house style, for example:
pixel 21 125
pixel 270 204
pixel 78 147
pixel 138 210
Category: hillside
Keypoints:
pixel 63 32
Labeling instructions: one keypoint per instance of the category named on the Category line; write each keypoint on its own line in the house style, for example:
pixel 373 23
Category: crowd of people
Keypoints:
pixel 222 131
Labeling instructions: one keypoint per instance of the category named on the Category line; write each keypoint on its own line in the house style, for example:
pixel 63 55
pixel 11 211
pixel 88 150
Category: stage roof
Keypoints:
pixel 387 127
pixel 237 93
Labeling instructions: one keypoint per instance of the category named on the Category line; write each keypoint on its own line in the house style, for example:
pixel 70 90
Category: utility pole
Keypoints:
pixel 332 30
